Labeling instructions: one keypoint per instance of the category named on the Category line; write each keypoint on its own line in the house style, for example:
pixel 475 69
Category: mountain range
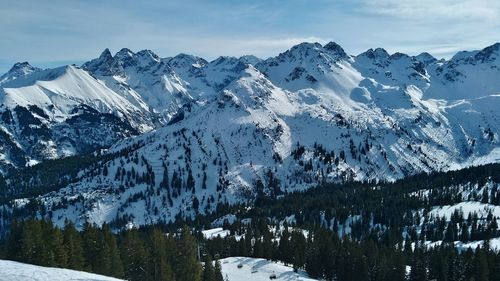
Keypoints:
pixel 178 135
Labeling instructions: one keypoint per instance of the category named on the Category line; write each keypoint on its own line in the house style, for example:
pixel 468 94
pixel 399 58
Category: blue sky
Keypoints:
pixel 57 32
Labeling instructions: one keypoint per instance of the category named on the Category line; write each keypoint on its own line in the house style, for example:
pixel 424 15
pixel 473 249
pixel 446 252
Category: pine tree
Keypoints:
pixel 418 270
pixel 190 184
pixel 115 267
pixel 32 248
pixel 208 269
pixel 72 243
pixel 218 271
pixel 96 252
pixel 134 257
pixel 160 267
pixel 481 272
pixel 14 242
pixel 55 243
pixel 187 266
pixel 312 261
pixel 284 249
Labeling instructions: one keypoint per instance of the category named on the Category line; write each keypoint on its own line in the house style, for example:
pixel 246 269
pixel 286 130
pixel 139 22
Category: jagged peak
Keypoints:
pixel 488 52
pixel 227 63
pixel 464 55
pixel 19 69
pixel 224 59
pixel 425 55
pixel 495 47
pixel 106 54
pixel 148 54
pixel 100 65
pixel 300 51
pixel 379 53
pixel 398 56
pixel 250 59
pixel 184 60
pixel 425 58
pixel 184 56
pixel 335 48
pixel 124 53
pixel 20 66
pixel 306 46
pixel 483 55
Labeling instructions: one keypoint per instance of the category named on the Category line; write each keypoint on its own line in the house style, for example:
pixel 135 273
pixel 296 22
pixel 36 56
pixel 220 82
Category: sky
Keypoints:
pixel 57 32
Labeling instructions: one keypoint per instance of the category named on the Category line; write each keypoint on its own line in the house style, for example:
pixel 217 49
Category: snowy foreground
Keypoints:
pixel 15 271
pixel 258 270
pixel 251 269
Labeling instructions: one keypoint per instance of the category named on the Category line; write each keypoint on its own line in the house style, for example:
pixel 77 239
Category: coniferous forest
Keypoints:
pixel 155 254
pixel 350 231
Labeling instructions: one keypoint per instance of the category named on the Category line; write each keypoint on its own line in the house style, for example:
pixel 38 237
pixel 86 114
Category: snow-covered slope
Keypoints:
pixel 47 114
pixel 15 271
pixel 237 128
pixel 258 270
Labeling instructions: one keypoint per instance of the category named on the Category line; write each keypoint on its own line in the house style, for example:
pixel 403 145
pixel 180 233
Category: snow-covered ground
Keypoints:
pixel 461 246
pixel 215 232
pixel 468 207
pixel 15 271
pixel 258 270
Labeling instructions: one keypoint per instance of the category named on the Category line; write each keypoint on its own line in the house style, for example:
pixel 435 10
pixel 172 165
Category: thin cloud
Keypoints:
pixel 58 30
pixel 485 10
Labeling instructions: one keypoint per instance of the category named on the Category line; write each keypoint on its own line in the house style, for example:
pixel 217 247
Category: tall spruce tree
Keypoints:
pixel 134 257
pixel 114 265
pixel 218 271
pixel 160 266
pixel 208 269
pixel 187 266
pixel 72 243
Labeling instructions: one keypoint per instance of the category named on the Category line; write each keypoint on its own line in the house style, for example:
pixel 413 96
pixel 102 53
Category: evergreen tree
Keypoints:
pixel 161 269
pixel 115 265
pixel 72 243
pixel 187 267
pixel 218 271
pixel 481 272
pixel 134 257
pixel 284 249
pixel 32 248
pixel 96 250
pixel 418 270
pixel 298 248
pixel 208 269
pixel 54 241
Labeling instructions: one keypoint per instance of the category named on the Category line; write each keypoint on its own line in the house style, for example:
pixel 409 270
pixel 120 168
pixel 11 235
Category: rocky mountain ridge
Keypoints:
pixel 233 129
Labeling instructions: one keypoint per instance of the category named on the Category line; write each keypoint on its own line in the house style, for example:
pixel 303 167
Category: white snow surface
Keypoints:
pixel 479 208
pixel 259 270
pixel 15 271
pixel 461 246
pixel 215 232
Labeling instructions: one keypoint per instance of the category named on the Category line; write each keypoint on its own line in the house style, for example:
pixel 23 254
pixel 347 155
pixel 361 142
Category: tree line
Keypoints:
pixel 135 254
pixel 326 256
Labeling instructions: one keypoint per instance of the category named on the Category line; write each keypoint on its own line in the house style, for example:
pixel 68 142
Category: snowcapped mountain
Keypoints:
pixel 233 129
pixel 18 70
pixel 58 112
